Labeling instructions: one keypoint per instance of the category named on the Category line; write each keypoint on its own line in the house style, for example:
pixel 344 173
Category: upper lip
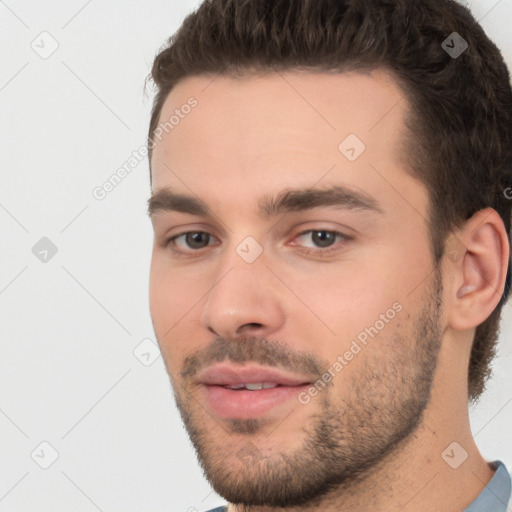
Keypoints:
pixel 224 374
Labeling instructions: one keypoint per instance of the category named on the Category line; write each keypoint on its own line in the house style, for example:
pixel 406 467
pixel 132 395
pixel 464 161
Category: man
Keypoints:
pixel 329 201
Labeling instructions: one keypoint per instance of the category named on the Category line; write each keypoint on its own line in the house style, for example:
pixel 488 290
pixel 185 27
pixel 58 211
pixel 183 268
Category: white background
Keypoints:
pixel 69 326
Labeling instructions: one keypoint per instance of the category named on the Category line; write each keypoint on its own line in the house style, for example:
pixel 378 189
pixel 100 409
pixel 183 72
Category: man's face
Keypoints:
pixel 284 291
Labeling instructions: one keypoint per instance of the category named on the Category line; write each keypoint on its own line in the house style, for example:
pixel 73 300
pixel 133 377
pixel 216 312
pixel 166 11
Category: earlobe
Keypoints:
pixel 481 271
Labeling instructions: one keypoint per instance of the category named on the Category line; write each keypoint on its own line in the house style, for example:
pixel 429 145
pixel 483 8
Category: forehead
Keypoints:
pixel 281 129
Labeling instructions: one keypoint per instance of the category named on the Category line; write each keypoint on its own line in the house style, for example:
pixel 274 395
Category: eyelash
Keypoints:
pixel 170 243
pixel 325 251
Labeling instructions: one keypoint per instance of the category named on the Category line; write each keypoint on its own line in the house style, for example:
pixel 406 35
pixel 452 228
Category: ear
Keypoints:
pixel 478 257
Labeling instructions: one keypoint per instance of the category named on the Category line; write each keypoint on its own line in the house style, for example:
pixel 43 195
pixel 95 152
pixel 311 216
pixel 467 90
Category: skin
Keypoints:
pixel 259 135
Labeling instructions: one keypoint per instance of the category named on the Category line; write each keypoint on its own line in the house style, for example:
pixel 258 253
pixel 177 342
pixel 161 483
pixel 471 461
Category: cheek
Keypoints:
pixel 367 321
pixel 369 298
pixel 346 298
pixel 174 301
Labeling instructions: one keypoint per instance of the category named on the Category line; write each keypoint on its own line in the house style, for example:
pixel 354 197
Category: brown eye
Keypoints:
pixel 191 240
pixel 318 238
pixel 323 238
pixel 197 240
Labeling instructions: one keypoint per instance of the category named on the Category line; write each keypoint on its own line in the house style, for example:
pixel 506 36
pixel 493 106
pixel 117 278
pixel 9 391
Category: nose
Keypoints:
pixel 244 301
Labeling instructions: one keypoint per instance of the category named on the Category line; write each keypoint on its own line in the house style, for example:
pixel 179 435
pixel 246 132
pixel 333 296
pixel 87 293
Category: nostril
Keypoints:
pixel 249 327
pixel 255 324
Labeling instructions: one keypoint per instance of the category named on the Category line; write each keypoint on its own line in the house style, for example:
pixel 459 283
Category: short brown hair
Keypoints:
pixel 460 144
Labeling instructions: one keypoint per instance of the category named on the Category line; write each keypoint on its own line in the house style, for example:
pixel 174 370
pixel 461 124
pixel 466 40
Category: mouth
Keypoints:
pixel 255 386
pixel 248 391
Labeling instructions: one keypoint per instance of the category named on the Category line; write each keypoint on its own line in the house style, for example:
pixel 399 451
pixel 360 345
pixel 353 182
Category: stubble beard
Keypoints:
pixel 345 438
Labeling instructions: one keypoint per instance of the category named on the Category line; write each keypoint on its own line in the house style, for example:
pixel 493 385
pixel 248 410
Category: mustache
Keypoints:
pixel 253 350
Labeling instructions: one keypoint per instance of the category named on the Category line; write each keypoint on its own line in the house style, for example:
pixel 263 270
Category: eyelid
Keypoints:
pixel 171 240
pixel 326 230
pixel 185 228
pixel 302 224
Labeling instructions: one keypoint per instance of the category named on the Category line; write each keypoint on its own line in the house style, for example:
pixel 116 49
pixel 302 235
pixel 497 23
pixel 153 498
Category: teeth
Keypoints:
pixel 236 386
pixel 253 386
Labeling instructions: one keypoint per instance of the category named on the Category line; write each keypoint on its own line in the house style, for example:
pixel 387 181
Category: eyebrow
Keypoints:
pixel 294 200
pixel 289 200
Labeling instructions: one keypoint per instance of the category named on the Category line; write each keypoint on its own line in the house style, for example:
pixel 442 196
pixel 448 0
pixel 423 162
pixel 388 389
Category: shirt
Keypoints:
pixel 495 497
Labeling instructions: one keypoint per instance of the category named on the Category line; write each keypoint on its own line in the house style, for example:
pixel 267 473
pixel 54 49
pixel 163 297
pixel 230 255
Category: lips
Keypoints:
pixel 248 391
pixel 224 374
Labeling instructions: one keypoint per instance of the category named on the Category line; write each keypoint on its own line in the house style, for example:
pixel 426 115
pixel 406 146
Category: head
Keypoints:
pixel 350 119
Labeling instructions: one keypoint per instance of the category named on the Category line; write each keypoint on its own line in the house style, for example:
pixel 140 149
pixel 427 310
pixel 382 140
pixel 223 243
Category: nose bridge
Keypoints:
pixel 243 296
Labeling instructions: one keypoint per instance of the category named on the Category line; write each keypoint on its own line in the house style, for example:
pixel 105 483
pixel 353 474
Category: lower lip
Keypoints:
pixel 245 404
